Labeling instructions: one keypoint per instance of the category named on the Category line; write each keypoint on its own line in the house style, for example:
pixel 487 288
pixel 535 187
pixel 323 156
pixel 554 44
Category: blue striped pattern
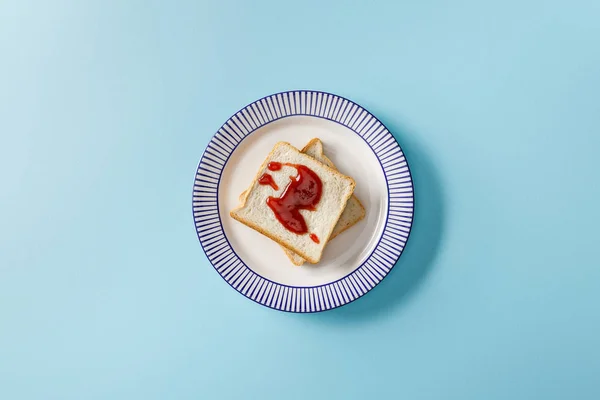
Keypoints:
pixel 205 202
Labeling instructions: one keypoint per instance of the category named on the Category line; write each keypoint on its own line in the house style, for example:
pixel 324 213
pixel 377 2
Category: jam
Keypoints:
pixel 302 193
pixel 267 179
pixel 314 238
pixel 274 166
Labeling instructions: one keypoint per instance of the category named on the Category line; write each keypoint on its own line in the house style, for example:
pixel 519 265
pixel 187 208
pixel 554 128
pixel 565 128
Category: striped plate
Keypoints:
pixel 360 146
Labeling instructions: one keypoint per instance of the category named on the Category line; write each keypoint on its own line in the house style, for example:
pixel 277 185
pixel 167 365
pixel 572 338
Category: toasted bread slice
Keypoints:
pixel 352 214
pixel 254 211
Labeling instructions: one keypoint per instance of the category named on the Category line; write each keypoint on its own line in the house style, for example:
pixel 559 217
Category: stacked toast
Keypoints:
pixel 300 200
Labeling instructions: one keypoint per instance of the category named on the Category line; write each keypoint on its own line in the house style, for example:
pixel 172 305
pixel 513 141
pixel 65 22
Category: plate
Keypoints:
pixel 360 146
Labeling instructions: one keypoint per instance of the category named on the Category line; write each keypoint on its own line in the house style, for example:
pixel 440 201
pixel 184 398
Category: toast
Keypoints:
pixel 320 222
pixel 352 214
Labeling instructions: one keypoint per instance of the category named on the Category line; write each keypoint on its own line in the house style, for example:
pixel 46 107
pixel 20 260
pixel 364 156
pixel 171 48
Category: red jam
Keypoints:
pixel 274 166
pixel 314 238
pixel 302 193
pixel 267 179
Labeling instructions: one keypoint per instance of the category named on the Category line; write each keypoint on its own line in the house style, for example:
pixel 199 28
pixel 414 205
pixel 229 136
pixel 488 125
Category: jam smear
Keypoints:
pixel 302 193
pixel 314 238
pixel 267 179
pixel 274 166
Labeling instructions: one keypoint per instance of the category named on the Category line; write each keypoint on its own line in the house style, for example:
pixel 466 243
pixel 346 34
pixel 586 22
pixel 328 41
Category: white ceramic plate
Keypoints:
pixel 360 146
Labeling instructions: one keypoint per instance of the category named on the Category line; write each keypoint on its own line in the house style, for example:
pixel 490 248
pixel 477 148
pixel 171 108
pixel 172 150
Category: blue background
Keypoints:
pixel 106 106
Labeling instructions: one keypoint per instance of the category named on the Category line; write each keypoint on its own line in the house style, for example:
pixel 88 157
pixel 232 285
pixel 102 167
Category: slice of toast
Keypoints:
pixel 352 214
pixel 254 211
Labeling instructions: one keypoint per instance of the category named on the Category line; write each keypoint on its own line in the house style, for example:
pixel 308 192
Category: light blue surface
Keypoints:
pixel 106 106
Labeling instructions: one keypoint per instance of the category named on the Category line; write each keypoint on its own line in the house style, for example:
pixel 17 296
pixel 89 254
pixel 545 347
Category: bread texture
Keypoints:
pixel 255 213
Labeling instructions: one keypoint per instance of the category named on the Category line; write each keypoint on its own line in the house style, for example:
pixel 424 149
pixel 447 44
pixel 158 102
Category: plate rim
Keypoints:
pixel 305 306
